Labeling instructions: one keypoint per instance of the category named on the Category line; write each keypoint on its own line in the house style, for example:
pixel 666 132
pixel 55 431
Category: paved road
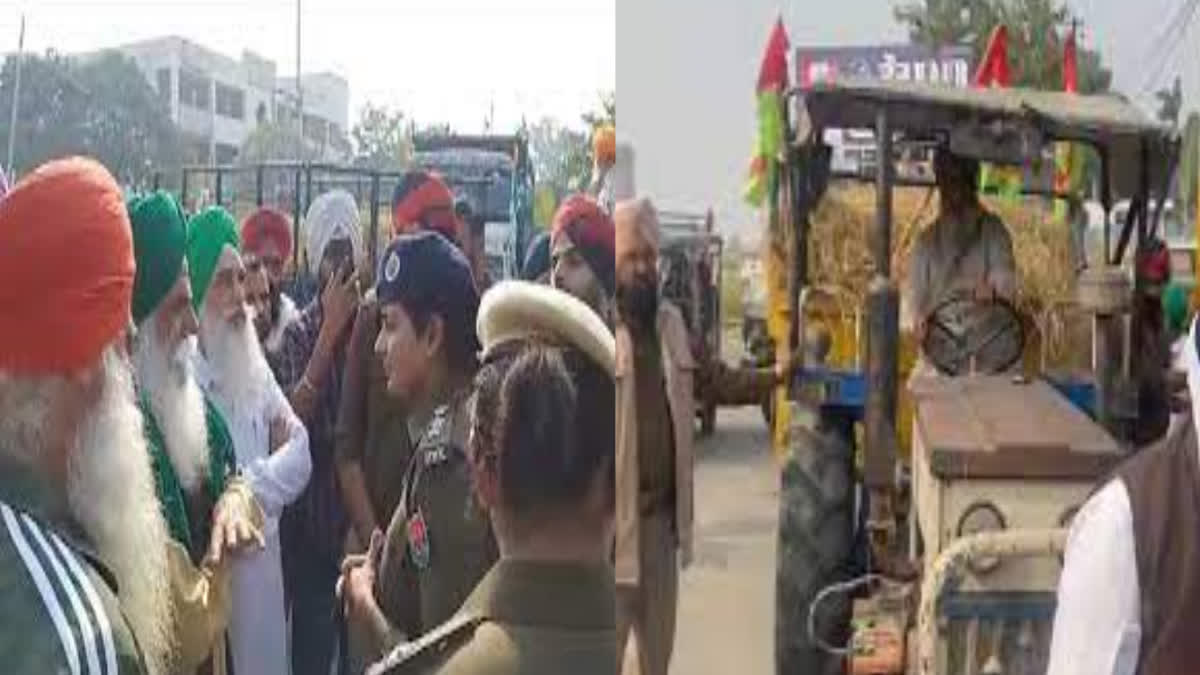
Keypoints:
pixel 726 598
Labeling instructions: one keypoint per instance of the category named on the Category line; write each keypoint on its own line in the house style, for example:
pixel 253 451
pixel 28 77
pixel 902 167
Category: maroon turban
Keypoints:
pixel 267 225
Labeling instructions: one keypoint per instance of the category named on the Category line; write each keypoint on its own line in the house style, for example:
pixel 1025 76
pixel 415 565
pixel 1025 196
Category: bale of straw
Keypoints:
pixel 840 260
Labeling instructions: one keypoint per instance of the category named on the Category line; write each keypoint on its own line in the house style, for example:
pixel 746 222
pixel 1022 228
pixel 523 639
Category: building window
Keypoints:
pixel 193 90
pixel 314 128
pixel 231 102
pixel 226 154
pixel 164 84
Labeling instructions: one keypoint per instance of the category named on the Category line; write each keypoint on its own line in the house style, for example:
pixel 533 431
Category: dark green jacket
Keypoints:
pixel 439 543
pixel 524 618
pixel 59 611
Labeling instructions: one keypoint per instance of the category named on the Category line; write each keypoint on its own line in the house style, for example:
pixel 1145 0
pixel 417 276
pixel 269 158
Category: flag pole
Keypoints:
pixel 12 118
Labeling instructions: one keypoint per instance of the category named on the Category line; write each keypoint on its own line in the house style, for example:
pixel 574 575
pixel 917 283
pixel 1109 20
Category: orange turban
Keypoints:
pixel 66 268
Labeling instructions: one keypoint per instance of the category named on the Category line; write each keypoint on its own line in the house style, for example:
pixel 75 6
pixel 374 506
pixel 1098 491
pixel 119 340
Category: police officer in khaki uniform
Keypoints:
pixel 542 454
pixel 438 543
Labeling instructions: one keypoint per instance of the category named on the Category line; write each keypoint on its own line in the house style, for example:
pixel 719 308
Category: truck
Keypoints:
pixel 496 174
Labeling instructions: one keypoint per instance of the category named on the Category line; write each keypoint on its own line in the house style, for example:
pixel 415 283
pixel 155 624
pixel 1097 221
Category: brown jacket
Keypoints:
pixel 1163 482
pixel 678 368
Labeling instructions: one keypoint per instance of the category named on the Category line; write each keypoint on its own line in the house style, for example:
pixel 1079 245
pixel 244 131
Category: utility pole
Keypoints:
pixel 299 86
pixel 12 118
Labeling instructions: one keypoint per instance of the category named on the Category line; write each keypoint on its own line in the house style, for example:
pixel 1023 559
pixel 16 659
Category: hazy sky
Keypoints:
pixel 686 71
pixel 437 60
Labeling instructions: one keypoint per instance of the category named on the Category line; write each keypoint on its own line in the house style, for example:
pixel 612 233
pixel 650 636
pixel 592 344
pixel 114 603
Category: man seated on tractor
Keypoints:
pixel 966 251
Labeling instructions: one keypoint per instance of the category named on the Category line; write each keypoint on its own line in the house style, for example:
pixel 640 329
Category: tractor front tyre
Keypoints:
pixel 816 531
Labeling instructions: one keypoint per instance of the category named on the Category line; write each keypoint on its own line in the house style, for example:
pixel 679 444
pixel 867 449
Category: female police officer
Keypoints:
pixel 542 455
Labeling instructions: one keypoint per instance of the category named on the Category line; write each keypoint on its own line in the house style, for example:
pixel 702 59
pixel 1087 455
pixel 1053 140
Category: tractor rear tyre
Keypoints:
pixel 815 547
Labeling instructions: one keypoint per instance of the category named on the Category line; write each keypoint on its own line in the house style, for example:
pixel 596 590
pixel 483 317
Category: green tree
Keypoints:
pixel 561 157
pixel 381 139
pixel 1170 102
pixel 101 106
pixel 1037 32
pixel 273 142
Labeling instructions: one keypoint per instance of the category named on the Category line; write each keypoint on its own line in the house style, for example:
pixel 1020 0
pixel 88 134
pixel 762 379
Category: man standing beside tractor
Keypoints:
pixel 654 421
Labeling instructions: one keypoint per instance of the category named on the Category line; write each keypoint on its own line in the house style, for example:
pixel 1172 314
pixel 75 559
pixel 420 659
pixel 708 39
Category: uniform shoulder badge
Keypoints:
pixel 417 532
pixel 415 656
pixel 435 442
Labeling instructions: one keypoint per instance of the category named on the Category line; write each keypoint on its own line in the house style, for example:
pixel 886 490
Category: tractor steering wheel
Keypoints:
pixel 964 335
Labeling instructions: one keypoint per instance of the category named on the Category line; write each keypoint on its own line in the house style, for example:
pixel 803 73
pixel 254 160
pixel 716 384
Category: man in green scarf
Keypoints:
pixel 209 510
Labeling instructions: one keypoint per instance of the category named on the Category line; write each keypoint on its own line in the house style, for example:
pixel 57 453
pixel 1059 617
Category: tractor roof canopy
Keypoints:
pixel 1004 126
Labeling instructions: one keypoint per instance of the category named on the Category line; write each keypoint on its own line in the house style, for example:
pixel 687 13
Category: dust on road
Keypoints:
pixel 726 598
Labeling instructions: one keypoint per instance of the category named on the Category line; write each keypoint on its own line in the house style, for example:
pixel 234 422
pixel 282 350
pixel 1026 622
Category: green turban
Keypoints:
pixel 1175 307
pixel 159 243
pixel 207 234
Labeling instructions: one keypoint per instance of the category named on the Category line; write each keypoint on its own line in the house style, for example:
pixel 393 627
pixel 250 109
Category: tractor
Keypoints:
pixel 943 556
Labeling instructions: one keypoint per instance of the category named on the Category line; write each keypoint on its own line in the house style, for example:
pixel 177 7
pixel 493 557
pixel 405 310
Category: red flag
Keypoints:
pixel 994 68
pixel 1070 65
pixel 773 72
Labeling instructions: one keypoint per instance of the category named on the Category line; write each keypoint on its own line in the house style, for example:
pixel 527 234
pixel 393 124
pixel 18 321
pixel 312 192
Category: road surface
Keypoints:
pixel 726 598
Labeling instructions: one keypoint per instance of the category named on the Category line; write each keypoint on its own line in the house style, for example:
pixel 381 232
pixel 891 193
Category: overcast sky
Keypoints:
pixel 686 71
pixel 437 60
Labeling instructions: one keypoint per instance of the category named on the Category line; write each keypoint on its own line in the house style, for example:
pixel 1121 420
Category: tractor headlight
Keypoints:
pixel 981 516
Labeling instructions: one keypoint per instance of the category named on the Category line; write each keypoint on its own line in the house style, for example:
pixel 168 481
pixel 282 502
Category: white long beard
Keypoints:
pixel 236 358
pixel 110 490
pixel 169 384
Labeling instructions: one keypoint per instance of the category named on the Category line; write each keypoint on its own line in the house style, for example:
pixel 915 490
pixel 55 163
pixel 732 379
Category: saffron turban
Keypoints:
pixel 66 268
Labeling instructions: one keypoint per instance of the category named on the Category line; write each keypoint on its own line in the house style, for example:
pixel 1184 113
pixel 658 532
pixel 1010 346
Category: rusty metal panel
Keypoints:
pixel 1002 427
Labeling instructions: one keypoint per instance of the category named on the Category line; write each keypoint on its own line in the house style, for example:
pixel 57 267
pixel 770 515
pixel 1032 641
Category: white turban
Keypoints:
pixel 333 215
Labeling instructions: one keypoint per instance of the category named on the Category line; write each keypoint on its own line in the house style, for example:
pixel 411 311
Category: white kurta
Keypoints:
pixel 940 267
pixel 258 627
pixel 1097 626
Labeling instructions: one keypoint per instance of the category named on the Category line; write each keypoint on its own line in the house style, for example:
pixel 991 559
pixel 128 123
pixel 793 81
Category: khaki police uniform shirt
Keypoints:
pixel 656 442
pixel 59 608
pixel 524 618
pixel 439 543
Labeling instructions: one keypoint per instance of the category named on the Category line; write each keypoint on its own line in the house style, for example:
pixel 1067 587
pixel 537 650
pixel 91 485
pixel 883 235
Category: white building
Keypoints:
pixel 217 101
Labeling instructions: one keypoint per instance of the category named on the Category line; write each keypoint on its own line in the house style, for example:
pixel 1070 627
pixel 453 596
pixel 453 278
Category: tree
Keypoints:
pixel 274 142
pixel 1170 102
pixel 561 157
pixel 1037 31
pixel 381 139
pixel 100 106
pixel 607 114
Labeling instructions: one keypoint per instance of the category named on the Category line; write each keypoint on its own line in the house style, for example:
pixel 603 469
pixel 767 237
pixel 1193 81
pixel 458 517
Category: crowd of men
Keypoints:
pixel 200 476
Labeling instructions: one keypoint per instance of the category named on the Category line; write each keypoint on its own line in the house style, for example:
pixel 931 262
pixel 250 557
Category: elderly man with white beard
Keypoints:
pixel 209 510
pixel 83 545
pixel 270 443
